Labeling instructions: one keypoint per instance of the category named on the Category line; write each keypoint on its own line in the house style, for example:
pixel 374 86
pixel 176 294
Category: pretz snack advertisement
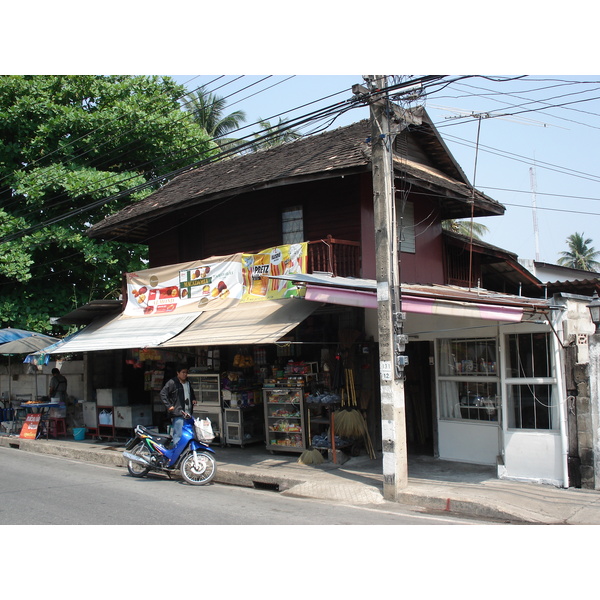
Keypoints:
pixel 281 260
pixel 215 283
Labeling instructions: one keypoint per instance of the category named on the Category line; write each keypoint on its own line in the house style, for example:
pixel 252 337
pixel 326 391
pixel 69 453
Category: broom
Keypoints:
pixel 349 422
pixel 310 456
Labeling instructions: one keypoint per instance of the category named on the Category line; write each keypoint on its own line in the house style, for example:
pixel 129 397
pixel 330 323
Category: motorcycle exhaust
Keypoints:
pixel 136 458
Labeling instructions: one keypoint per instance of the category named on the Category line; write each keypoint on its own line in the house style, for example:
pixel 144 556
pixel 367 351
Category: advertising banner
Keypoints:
pixel 30 426
pixel 215 283
pixel 200 285
pixel 280 260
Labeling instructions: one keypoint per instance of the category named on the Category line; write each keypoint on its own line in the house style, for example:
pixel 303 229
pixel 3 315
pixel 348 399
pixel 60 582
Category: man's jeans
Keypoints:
pixel 176 429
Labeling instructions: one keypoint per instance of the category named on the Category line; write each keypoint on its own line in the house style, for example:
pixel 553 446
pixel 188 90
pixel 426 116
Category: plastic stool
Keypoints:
pixel 57 427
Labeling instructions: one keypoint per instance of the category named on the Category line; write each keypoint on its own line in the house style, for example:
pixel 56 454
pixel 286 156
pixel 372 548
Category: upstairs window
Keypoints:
pixel 292 225
pixel 406 226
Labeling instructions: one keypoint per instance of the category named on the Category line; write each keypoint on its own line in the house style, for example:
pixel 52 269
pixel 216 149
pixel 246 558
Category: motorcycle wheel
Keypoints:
pixel 207 468
pixel 137 469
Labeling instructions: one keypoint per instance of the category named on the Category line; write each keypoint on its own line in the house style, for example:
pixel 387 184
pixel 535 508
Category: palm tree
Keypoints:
pixel 463 227
pixel 580 255
pixel 274 135
pixel 207 110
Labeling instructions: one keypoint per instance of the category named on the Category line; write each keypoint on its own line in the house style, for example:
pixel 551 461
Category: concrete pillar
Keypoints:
pixel 594 373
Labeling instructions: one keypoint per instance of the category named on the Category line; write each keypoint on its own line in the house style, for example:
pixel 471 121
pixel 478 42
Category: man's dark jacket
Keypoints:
pixel 172 395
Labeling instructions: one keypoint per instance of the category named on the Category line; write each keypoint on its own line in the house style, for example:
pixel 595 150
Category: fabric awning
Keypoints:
pixel 117 333
pixel 263 322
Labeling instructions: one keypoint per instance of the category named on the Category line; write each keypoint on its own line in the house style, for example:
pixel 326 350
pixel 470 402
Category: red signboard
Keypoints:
pixel 30 427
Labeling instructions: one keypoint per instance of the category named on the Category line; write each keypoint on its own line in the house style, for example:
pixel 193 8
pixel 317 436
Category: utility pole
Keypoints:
pixel 387 120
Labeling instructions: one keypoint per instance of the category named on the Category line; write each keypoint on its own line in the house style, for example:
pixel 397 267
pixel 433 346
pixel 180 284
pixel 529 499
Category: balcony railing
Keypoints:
pixel 341 258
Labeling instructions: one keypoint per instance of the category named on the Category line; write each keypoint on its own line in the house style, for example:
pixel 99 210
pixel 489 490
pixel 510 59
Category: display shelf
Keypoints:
pixel 243 425
pixel 285 428
pixel 207 389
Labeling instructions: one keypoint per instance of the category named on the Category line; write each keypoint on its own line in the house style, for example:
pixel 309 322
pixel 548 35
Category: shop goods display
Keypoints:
pixel 323 441
pixel 323 398
pixel 284 419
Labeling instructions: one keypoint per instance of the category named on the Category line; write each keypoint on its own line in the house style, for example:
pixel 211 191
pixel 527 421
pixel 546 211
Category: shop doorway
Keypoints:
pixel 419 398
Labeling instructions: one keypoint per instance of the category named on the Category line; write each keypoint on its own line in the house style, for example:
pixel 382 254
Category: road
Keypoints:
pixel 38 489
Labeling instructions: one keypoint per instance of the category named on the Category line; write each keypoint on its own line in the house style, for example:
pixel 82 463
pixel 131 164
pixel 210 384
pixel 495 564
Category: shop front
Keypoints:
pixel 275 358
pixel 483 384
pixel 268 366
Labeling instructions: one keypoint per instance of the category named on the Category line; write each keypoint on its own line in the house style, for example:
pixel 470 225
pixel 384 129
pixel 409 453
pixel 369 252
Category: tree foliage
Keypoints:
pixel 67 144
pixel 463 227
pixel 208 110
pixel 580 254
pixel 271 136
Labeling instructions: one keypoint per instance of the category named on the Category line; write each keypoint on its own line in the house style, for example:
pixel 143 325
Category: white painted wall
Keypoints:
pixel 468 442
pixel 23 379
pixel 532 456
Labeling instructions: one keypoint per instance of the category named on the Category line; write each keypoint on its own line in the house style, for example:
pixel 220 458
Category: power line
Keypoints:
pixel 319 114
pixel 117 176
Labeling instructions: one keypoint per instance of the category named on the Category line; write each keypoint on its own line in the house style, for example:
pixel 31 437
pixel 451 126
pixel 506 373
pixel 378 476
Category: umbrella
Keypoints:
pixel 30 342
pixel 26 345
pixel 8 334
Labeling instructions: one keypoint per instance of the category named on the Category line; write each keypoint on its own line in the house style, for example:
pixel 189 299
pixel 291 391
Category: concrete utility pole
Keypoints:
pixel 389 312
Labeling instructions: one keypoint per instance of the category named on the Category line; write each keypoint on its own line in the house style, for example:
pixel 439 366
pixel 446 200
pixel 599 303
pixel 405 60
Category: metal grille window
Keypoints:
pixel 468 379
pixel 292 224
pixel 530 398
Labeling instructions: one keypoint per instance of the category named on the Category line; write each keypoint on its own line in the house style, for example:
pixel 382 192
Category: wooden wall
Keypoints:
pixel 341 207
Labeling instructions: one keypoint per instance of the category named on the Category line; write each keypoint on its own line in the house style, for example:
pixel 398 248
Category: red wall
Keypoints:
pixel 341 207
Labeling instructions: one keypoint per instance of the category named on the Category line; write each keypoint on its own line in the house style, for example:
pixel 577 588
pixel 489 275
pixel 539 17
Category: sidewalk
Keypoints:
pixel 434 485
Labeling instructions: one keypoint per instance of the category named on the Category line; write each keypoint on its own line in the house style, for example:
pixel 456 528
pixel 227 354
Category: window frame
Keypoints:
pixel 468 393
pixel 531 381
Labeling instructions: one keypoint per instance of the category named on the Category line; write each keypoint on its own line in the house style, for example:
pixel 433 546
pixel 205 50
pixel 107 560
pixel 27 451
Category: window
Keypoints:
pixel 468 379
pixel 406 226
pixel 292 225
pixel 530 383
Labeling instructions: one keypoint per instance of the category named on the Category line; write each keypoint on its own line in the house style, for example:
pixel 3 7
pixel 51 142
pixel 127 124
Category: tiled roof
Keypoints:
pixel 341 151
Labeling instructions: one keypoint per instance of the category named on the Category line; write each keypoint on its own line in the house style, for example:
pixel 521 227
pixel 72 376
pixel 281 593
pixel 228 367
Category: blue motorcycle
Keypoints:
pixel 150 451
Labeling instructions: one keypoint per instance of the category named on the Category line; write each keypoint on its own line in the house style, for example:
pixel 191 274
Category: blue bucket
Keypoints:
pixel 79 433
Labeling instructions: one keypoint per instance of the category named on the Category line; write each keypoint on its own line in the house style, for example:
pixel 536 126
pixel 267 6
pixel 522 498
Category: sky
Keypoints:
pixel 321 47
pixel 529 143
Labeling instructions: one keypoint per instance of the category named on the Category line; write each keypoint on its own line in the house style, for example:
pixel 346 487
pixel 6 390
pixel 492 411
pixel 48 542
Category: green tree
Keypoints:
pixel 580 254
pixel 274 135
pixel 208 111
pixel 463 227
pixel 67 143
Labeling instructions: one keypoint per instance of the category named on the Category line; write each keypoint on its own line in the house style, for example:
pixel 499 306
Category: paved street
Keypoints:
pixel 41 489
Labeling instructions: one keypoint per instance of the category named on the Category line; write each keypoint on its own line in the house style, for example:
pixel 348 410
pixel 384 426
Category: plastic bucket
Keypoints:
pixel 79 433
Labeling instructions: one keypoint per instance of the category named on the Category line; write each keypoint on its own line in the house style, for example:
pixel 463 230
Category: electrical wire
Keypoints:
pixel 271 132
pixel 224 152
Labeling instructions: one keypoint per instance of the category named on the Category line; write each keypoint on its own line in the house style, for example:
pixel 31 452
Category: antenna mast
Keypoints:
pixel 534 207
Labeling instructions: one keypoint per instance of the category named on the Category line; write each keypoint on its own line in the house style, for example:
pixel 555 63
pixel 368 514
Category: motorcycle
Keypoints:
pixel 192 456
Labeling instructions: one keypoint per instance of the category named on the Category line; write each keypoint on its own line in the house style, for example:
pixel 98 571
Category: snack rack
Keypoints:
pixel 285 424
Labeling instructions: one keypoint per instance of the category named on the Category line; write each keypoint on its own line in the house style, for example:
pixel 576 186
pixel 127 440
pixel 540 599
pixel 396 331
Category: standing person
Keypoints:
pixel 179 398
pixel 58 386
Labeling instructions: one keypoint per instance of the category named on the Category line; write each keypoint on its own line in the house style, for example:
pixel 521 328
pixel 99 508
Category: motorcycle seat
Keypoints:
pixel 161 437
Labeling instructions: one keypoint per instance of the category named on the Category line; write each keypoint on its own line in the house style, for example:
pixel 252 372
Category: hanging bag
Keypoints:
pixel 204 430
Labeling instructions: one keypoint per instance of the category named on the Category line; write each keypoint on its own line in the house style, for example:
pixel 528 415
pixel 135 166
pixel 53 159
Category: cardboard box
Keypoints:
pixel 112 397
pixel 131 416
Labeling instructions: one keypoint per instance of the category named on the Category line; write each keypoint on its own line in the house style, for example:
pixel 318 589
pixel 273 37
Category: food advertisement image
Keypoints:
pixel 215 283
pixel 186 287
pixel 280 260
